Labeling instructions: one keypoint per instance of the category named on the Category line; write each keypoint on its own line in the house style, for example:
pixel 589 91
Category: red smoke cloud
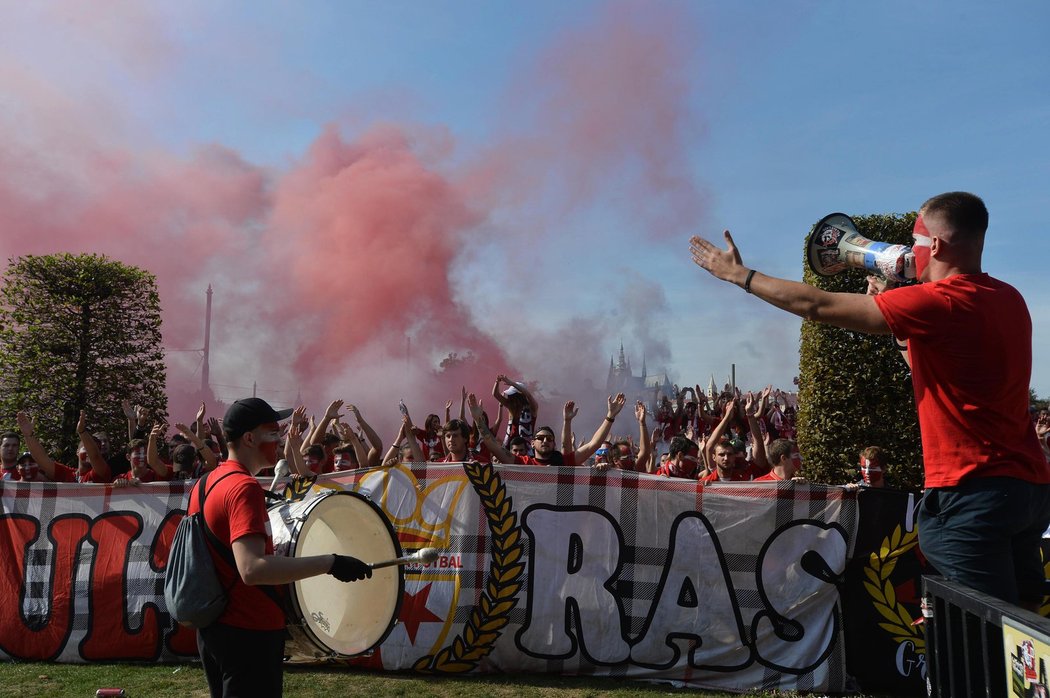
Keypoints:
pixel 324 270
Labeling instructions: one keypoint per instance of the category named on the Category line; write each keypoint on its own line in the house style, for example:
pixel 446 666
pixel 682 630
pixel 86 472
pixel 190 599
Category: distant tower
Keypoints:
pixel 205 369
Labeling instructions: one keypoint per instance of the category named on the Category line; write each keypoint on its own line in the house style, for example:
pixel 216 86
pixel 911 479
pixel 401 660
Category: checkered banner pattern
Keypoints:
pixel 573 571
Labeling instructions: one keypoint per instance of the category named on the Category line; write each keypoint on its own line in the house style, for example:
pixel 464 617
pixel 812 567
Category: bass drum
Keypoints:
pixel 329 619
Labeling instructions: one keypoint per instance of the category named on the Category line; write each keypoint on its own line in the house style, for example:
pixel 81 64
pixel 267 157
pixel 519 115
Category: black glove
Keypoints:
pixel 349 569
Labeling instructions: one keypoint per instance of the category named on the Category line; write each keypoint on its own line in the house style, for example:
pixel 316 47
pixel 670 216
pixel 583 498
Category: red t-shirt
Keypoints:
pixel 970 344
pixel 744 474
pixel 63 473
pixel 234 508
pixel 150 475
pixel 429 444
pixel 771 476
pixel 569 460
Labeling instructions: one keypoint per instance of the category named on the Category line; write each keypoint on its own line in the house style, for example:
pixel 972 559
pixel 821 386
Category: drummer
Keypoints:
pixel 243 650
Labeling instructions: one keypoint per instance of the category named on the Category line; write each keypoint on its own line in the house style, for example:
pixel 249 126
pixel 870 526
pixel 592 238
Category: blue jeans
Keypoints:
pixel 985 532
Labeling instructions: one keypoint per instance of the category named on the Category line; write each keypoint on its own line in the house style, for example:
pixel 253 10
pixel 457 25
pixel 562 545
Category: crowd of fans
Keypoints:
pixel 732 436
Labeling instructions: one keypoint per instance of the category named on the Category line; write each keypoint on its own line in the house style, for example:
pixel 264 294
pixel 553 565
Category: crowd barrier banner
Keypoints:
pixel 881 598
pixel 568 570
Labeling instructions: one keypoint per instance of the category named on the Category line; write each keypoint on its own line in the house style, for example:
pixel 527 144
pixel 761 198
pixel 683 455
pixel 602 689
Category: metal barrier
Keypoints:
pixel 964 639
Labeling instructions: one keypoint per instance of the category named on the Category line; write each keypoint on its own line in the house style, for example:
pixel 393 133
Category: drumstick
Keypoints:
pixel 423 555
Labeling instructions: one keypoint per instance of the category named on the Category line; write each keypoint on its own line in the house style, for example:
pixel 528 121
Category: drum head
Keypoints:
pixel 349 618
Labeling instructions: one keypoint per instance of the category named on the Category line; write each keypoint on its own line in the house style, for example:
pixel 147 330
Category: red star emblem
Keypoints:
pixel 414 611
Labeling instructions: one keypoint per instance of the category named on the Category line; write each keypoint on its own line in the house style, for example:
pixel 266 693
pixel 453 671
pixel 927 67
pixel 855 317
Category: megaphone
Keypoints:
pixel 835 246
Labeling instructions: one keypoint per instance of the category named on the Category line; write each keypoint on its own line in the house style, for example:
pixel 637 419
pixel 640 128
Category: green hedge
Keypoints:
pixel 855 389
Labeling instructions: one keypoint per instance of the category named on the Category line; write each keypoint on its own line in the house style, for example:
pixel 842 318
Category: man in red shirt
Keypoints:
pixel 683 459
pixel 9 443
pixel 783 455
pixel 243 650
pixel 969 343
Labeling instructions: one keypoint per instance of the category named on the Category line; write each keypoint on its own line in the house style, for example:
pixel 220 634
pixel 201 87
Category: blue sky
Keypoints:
pixel 786 111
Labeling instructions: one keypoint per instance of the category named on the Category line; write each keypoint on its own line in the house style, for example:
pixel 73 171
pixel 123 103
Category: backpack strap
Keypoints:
pixel 224 550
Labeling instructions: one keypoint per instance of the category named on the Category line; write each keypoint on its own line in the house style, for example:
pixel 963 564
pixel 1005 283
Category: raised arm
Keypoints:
pixel 293 443
pixel 98 463
pixel 153 451
pixel 129 413
pixel 410 437
pixel 332 413
pixel 496 391
pixel 448 411
pixel 393 454
pixel 375 443
pixel 753 410
pixel 495 426
pixel 215 429
pixel 198 421
pixel 719 430
pixel 348 435
pixel 587 450
pixel 850 311
pixel 40 455
pixel 645 450
pixel 495 447
pixel 569 413
pixel 463 404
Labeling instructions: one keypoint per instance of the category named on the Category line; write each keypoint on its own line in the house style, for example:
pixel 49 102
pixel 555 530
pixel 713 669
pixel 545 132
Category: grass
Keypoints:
pixel 140 680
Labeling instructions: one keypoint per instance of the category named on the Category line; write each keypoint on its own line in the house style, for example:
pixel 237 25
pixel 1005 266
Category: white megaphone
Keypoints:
pixel 835 246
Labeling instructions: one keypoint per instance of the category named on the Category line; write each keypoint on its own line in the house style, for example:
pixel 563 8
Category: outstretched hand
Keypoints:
pixel 723 264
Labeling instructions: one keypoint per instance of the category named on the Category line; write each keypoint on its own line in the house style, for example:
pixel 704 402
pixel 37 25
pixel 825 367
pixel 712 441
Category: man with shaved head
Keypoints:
pixel 969 343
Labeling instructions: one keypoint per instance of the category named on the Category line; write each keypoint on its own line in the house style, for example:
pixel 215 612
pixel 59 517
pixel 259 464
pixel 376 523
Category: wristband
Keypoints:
pixel 747 281
pixel 610 420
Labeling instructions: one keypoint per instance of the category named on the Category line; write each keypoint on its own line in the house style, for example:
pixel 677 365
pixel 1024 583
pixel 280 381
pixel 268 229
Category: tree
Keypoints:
pixel 854 389
pixel 79 332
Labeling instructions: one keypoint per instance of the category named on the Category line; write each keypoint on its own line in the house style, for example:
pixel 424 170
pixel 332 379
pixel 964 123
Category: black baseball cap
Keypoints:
pixel 249 413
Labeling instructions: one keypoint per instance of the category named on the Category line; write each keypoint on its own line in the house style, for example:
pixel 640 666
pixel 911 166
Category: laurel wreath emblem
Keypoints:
pixel 898 622
pixel 492 612
pixel 296 489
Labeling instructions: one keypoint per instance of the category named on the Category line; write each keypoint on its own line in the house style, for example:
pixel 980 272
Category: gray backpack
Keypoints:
pixel 192 591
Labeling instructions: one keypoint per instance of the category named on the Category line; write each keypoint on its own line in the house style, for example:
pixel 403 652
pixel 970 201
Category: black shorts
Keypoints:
pixel 985 533
pixel 242 663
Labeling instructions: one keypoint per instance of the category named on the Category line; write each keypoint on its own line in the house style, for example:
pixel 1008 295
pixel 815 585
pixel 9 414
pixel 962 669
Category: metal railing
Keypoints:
pixel 964 639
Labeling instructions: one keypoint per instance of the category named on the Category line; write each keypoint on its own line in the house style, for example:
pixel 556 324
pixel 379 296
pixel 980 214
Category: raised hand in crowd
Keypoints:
pixel 91 447
pixel 318 433
pixel 293 443
pixel 569 412
pixel 198 421
pixel 374 442
pixel 153 460
pixel 347 435
pixel 728 410
pixel 410 438
pixel 129 412
pixel 33 445
pixel 644 462
pixel 581 454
